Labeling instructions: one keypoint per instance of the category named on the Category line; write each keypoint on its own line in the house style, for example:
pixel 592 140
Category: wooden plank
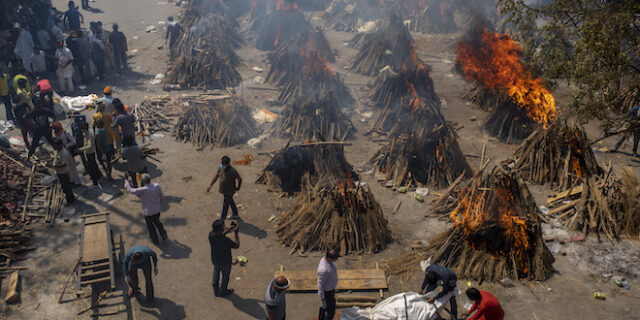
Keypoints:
pixel 13 295
pixel 95 246
pixel 95 266
pixel 95 273
pixel 94 281
pixel 363 279
pixel 26 199
pixel 565 194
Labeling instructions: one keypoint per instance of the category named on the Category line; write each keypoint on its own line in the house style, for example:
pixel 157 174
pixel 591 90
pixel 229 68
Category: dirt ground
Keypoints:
pixel 183 285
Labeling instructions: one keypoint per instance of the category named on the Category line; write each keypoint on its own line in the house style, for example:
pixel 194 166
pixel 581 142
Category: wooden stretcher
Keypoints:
pixel 357 279
pixel 97 252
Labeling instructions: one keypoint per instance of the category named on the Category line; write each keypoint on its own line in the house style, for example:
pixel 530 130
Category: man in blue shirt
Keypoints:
pixel 435 276
pixel 634 127
pixel 73 17
pixel 138 258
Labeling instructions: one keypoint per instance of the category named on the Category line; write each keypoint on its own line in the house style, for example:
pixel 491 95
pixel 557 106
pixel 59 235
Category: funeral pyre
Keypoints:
pixel 519 100
pixel 329 215
pixel 496 234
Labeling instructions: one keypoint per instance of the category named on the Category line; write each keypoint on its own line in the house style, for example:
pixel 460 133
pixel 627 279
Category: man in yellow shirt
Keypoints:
pixel 23 94
pixel 4 94
pixel 107 119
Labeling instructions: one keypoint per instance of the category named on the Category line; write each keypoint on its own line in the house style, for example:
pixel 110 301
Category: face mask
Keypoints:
pixel 223 167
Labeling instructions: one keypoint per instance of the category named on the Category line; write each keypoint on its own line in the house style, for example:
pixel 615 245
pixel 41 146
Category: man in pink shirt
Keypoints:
pixel 327 282
pixel 151 196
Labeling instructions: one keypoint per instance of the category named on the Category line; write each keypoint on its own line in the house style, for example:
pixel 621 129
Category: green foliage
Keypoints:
pixel 594 45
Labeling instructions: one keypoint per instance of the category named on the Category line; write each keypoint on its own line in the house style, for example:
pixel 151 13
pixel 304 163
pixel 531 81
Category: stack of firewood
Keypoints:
pixel 205 57
pixel 280 25
pixel 216 120
pixel 436 17
pixel 313 119
pixel 484 98
pixel 509 122
pixel 496 234
pixel 348 15
pixel 288 167
pixel 150 117
pixel 560 155
pixel 330 215
pixel 603 205
pixel 391 45
pixel 434 159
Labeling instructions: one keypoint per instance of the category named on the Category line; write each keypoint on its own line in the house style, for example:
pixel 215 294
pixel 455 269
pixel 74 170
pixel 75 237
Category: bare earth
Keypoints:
pixel 183 286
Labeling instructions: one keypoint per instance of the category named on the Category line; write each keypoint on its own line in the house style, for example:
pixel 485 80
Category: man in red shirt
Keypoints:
pixel 485 305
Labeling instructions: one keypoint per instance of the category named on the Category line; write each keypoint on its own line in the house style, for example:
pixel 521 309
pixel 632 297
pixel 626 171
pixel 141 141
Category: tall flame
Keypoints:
pixel 497 64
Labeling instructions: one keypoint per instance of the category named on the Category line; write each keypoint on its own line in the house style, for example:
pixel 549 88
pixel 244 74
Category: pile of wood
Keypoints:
pixel 150 117
pixel 410 104
pixel 560 155
pixel 484 98
pixel 289 166
pixel 308 49
pixel 509 122
pixel 313 5
pixel 312 119
pixel 496 234
pixel 391 45
pixel 215 120
pixel 317 81
pixel 205 57
pixel 280 25
pixel 331 214
pixel 602 205
pixel 348 15
pixel 434 159
pixel 436 17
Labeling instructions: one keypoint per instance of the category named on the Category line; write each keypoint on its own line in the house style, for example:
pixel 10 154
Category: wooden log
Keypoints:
pixel 13 294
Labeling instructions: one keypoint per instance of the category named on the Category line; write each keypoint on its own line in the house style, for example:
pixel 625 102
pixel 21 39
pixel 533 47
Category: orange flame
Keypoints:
pixel 497 64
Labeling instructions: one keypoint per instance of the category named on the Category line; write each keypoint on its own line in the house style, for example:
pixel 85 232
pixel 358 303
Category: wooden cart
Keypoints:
pixel 98 252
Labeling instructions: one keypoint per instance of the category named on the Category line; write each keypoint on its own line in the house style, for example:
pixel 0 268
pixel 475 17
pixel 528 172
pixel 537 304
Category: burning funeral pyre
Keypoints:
pixel 280 25
pixel 496 234
pixel 434 159
pixel 205 57
pixel 604 205
pixel 428 16
pixel 520 101
pixel 348 15
pixel 560 155
pixel 287 169
pixel 215 120
pixel 329 214
pixel 391 45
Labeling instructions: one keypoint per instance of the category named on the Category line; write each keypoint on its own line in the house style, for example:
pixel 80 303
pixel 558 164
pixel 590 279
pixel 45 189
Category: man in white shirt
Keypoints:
pixel 151 197
pixel 327 283
pixel 38 63
pixel 65 67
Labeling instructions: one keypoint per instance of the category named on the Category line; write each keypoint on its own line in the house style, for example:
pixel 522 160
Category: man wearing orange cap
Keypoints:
pixel 108 100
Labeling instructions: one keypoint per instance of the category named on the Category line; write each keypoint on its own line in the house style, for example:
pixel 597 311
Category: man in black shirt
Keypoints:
pixel 221 255
pixel 119 47
pixel 42 126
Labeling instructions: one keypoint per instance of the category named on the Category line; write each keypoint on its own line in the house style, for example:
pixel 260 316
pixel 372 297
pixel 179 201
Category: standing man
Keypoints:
pixel 228 176
pixel 174 30
pixel 221 255
pixel 104 149
pixel 138 258
pixel 274 298
pixel 151 196
pixel 438 275
pixel 83 58
pixel 72 17
pixel 89 150
pixel 98 55
pixel 65 67
pixel 134 156
pixel 61 160
pixel 23 95
pixel 42 127
pixel 125 121
pixel 118 43
pixel 485 305
pixel 69 143
pixel 327 282
pixel 107 99
pixel 634 128
pixel 38 63
pixel 45 93
pixel 4 94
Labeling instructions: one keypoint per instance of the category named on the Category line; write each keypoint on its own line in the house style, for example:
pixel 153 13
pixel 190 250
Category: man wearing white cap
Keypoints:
pixel 275 300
